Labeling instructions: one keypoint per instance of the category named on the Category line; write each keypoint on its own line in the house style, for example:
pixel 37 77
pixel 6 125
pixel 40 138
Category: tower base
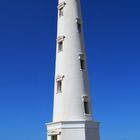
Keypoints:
pixel 73 130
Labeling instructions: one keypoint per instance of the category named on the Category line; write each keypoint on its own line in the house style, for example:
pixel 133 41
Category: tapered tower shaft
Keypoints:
pixel 71 94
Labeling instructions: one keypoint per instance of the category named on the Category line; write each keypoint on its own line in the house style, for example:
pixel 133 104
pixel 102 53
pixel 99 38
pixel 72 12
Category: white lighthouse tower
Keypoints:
pixel 72 116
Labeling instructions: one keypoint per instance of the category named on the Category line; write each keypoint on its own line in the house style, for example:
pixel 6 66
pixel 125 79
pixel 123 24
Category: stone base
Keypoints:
pixel 73 130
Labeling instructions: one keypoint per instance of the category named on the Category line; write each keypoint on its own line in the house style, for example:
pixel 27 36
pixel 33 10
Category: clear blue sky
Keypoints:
pixel 27 56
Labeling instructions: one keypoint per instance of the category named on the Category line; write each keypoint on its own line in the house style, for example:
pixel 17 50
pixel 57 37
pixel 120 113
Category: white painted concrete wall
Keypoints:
pixel 75 130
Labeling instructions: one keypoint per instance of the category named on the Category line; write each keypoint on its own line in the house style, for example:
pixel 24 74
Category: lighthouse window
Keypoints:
pixel 61 12
pixel 86 107
pixel 82 64
pixel 54 137
pixel 61 8
pixel 82 61
pixel 59 86
pixel 60 41
pixel 60 46
pixel 79 26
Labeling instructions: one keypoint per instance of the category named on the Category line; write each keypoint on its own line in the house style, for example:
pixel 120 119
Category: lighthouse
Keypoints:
pixel 72 113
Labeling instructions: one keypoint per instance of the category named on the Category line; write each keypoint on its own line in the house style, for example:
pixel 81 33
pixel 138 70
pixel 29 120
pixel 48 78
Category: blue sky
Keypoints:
pixel 27 57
